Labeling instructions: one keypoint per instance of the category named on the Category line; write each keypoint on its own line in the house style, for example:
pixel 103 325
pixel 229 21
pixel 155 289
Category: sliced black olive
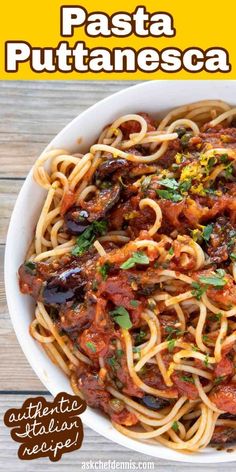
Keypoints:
pixel 154 403
pixel 76 220
pixel 109 167
pixel 64 286
pixel 224 435
pixel 56 295
pixel 102 202
pixel 227 416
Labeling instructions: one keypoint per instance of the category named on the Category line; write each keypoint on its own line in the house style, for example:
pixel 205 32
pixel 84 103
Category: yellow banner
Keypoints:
pixel 87 39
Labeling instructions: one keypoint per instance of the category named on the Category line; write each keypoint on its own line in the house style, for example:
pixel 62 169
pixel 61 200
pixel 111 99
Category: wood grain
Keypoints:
pixel 95 447
pixel 34 112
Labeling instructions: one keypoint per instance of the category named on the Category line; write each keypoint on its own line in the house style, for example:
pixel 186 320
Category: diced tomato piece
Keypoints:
pixel 224 367
pixel 186 388
pixel 224 397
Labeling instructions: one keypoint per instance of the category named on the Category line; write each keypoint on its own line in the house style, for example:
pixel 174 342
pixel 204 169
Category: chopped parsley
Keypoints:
pixel 89 235
pixel 171 345
pixel 174 190
pixel 173 332
pixel 195 348
pixel 206 234
pixel 140 336
pixel 205 338
pixel 136 258
pixel 224 158
pixel 219 379
pixel 188 379
pixel 119 352
pixel 228 170
pixel 137 350
pixel 134 303
pixel 171 251
pixel 185 185
pixel 104 270
pixel 112 361
pixel 216 317
pixel 206 360
pixel 30 266
pixel 91 346
pixel 217 279
pixel 169 195
pixel 121 317
pixel 146 182
pixel 172 184
pixel 175 426
pixel 198 290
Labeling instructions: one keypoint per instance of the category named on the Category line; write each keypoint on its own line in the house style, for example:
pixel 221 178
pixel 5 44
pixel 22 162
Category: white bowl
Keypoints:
pixel 155 97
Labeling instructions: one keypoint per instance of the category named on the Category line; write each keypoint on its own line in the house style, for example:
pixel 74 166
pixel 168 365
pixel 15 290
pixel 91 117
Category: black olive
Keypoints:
pixel 109 167
pixel 227 416
pixel 76 220
pixel 154 403
pixel 64 286
pixel 56 295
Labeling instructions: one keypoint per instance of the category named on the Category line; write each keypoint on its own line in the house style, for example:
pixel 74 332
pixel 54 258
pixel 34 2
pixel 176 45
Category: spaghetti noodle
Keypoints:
pixel 132 267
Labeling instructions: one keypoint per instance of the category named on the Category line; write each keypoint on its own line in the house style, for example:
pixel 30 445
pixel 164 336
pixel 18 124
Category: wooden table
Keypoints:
pixel 31 114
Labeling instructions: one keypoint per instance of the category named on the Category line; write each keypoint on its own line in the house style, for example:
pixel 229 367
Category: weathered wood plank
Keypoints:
pixel 74 460
pixel 33 113
pixel 95 448
pixel 9 190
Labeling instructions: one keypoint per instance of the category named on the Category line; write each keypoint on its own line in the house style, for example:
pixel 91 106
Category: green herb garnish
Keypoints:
pixel 171 345
pixel 175 191
pixel 175 426
pixel 206 360
pixel 136 258
pixel 30 266
pixel 169 183
pixel 121 317
pixel 89 235
pixel 224 158
pixel 119 352
pixel 188 379
pixel 173 332
pixel 198 290
pixel 112 361
pixel 168 195
pixel 206 234
pixel 134 303
pixel 104 270
pixel 206 338
pixel 217 279
pixel 219 379
pixel 228 170
pixel 91 346
pixel 140 336
pixel 146 182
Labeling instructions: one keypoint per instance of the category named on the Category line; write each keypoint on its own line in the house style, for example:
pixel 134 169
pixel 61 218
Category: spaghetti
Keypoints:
pixel 132 267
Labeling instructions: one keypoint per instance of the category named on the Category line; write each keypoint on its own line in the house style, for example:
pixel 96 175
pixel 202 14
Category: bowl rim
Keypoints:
pixel 161 452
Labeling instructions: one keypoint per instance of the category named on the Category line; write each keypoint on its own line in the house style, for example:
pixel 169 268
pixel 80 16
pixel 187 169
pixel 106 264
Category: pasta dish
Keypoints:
pixel 133 271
